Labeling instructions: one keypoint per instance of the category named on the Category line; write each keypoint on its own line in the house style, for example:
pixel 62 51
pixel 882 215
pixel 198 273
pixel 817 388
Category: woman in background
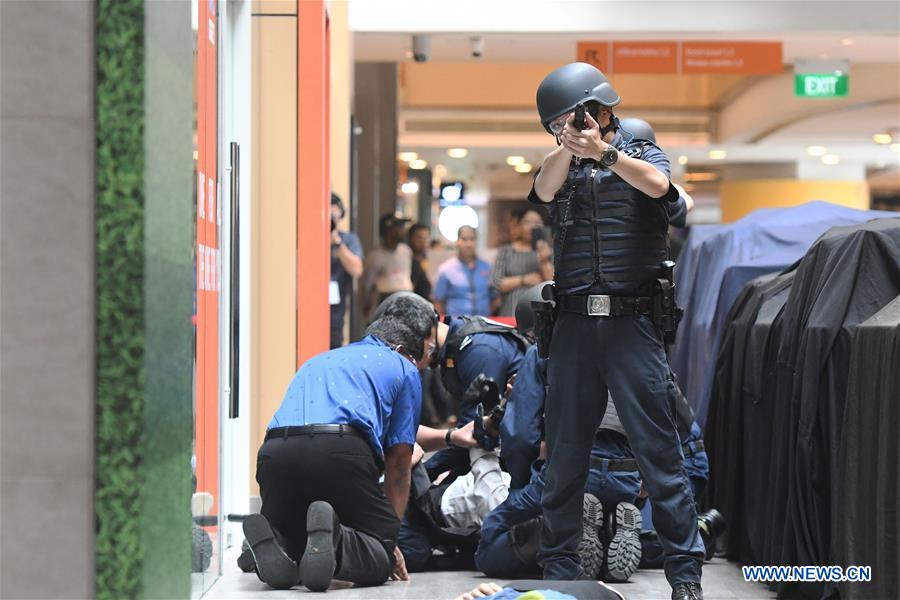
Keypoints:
pixel 523 263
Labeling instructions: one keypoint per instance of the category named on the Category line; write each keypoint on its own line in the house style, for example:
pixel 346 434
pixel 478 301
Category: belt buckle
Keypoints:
pixel 598 305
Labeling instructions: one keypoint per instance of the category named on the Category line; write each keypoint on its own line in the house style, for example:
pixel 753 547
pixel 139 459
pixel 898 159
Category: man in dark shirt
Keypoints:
pixel 418 242
pixel 346 265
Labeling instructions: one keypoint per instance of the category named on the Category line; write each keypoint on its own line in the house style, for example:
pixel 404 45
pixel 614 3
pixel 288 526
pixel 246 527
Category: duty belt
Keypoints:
pixel 311 430
pixel 601 305
pixel 614 464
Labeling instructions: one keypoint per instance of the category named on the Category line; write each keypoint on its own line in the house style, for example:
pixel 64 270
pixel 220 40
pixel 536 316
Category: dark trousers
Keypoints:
pixel 591 356
pixel 293 472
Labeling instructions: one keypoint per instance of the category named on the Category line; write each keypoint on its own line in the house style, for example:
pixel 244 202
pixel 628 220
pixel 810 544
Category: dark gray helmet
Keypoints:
pixel 638 128
pixel 524 309
pixel 570 85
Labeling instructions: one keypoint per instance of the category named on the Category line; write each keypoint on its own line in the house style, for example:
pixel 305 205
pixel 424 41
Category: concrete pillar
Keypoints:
pixel 47 299
pixel 375 107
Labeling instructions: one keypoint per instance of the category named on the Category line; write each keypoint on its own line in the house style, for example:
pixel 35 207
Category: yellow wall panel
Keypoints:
pixel 737 198
pixel 274 110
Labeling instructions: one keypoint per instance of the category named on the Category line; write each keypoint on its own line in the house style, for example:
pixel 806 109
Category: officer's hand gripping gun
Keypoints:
pixel 483 391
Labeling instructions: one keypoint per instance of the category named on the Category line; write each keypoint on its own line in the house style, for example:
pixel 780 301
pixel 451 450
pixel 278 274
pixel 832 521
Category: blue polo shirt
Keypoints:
pixel 464 290
pixel 367 385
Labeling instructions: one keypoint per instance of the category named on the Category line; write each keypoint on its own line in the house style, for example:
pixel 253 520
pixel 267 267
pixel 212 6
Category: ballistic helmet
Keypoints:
pixel 638 128
pixel 570 85
pixel 524 309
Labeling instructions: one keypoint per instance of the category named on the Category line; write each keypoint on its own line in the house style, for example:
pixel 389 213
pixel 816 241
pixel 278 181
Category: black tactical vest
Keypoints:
pixel 610 237
pixel 454 344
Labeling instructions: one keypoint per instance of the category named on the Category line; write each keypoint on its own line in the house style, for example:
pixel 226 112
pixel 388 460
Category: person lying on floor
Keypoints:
pixel 447 514
pixel 347 415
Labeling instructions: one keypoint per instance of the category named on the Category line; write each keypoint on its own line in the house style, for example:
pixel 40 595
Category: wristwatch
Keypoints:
pixel 447 438
pixel 609 156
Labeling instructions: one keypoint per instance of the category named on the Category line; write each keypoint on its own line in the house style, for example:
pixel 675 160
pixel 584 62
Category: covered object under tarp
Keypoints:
pixel 715 263
pixel 867 514
pixel 780 389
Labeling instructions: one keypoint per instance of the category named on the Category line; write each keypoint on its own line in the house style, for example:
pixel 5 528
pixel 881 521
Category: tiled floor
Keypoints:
pixel 721 580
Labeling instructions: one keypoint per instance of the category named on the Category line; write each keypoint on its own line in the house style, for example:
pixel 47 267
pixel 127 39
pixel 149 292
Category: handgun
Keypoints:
pixel 578 122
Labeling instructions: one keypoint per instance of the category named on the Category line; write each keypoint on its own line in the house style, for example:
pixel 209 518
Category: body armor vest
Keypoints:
pixel 610 237
pixel 454 344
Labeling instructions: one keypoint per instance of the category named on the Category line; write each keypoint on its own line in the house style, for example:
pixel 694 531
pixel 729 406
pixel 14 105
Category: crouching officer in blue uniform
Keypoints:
pixel 615 302
pixel 469 347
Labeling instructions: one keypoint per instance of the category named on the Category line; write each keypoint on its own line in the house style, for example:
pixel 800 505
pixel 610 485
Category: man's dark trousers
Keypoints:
pixel 624 355
pixel 295 471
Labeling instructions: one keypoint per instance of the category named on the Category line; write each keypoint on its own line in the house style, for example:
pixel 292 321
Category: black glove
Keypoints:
pixel 484 439
pixel 482 390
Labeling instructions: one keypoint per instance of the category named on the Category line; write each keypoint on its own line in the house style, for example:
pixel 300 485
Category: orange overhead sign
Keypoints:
pixel 680 57
pixel 645 57
pixel 742 58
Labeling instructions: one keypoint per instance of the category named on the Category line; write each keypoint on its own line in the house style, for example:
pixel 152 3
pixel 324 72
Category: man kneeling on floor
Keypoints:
pixel 347 414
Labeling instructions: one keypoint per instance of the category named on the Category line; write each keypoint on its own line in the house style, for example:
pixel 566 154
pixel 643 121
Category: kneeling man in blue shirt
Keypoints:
pixel 347 415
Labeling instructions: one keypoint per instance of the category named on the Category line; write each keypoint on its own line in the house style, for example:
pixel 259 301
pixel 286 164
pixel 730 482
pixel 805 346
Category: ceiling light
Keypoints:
pixel 882 138
pixel 831 159
pixel 410 187
pixel 682 160
pixel 407 156
pixel 895 147
pixel 515 160
pixel 523 168
pixel 816 150
pixel 457 152
pixel 717 154
pixel 846 42
pixel 418 164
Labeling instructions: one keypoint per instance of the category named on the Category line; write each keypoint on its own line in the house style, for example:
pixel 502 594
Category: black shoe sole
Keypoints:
pixel 318 563
pixel 624 553
pixel 273 566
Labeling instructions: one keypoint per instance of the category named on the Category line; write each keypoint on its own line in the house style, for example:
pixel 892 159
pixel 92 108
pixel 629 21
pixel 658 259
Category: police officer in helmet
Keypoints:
pixel 614 302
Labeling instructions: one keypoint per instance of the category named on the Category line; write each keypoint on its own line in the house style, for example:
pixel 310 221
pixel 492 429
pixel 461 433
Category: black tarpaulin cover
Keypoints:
pixel 780 391
pixel 865 520
pixel 740 417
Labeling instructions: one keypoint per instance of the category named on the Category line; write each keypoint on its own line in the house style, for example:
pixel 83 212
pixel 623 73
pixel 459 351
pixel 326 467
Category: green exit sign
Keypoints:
pixel 820 85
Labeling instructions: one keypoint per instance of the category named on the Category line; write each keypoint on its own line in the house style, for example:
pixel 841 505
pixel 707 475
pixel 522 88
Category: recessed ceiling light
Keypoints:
pixel 846 42
pixel 457 152
pixel 418 164
pixel 816 150
pixel 407 156
pixel 515 160
pixel 717 154
pixel 831 159
pixel 882 138
pixel 682 160
pixel 523 168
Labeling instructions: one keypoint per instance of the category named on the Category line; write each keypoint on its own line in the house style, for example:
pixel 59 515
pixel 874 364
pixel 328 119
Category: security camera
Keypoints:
pixel 421 47
pixel 477 44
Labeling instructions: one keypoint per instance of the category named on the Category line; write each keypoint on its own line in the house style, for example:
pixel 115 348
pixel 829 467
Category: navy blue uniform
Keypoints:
pixel 610 239
pixel 497 356
pixel 696 465
pixel 522 427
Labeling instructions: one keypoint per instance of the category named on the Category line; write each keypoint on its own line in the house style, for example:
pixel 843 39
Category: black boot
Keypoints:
pixel 687 591
pixel 273 565
pixel 323 538
pixel 245 561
